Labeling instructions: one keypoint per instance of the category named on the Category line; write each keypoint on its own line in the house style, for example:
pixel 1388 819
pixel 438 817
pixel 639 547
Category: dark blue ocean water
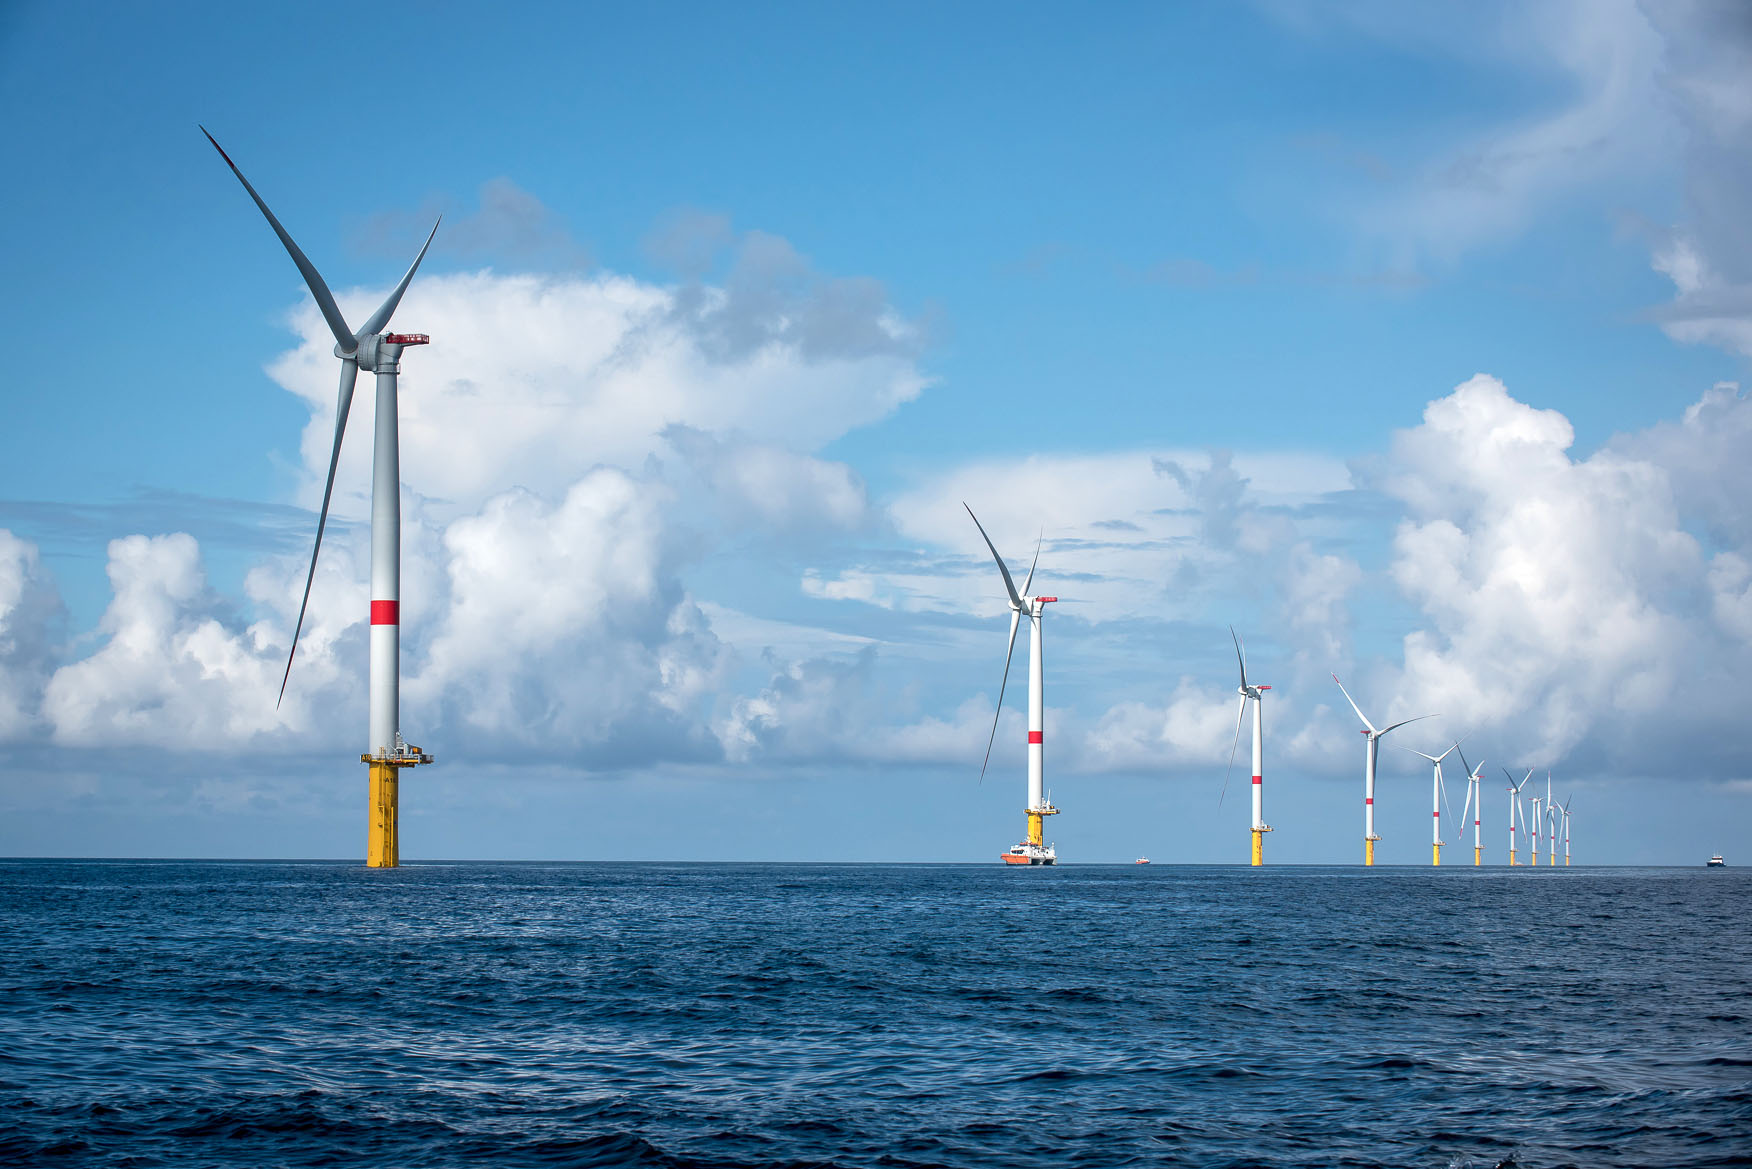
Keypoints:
pixel 245 1014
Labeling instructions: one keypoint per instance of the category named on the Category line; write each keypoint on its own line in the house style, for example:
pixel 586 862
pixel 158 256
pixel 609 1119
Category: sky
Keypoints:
pixel 1410 341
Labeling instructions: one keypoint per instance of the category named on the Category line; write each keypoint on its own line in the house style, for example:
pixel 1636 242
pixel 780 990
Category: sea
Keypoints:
pixel 182 1013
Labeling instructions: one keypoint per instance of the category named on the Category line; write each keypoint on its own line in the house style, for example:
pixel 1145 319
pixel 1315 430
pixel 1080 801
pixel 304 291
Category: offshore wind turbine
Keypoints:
pixel 1566 822
pixel 1538 808
pixel 1255 695
pixel 1514 807
pixel 379 353
pixel 1550 821
pixel 1438 794
pixel 1369 758
pixel 1034 850
pixel 1475 805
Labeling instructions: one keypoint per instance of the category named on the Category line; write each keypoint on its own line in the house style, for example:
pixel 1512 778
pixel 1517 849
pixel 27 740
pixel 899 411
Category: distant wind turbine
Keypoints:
pixel 1566 832
pixel 1034 850
pixel 1551 815
pixel 1438 794
pixel 1255 695
pixel 380 353
pixel 1474 805
pixel 1515 809
pixel 1538 803
pixel 1373 749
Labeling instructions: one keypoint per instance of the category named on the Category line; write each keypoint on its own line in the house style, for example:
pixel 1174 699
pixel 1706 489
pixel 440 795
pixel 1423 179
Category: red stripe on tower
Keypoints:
pixel 1256 779
pixel 1035 737
pixel 386 612
pixel 1368 799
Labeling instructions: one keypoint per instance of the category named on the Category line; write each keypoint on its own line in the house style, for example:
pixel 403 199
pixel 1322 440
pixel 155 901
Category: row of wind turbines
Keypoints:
pixel 1034 849
pixel 1555 816
pixel 379 351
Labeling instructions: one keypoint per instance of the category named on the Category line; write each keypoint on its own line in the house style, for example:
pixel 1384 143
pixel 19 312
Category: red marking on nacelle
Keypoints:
pixel 386 612
pixel 1046 600
pixel 1036 737
pixel 408 339
pixel 1262 687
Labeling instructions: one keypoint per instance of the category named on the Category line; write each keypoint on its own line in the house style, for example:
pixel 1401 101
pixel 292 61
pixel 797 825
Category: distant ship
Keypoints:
pixel 1142 860
pixel 1031 854
pixel 1716 862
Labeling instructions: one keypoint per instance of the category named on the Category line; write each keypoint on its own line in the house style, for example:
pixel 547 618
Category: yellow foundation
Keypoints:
pixel 1368 850
pixel 383 840
pixel 1259 846
pixel 382 848
pixel 1036 835
pixel 1552 861
pixel 1478 856
pixel 1512 861
pixel 1436 855
pixel 1566 860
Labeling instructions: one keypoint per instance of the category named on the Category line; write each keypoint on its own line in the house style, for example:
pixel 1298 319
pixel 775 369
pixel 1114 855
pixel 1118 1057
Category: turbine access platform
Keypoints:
pixel 1034 850
pixel 383 843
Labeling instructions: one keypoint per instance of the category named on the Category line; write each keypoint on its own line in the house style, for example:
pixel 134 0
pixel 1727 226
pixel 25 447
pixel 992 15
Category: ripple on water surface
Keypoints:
pixel 789 1015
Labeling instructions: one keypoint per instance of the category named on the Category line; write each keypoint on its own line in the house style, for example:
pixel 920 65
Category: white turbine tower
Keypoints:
pixel 1438 794
pixel 380 353
pixel 1515 812
pixel 1372 751
pixel 1255 695
pixel 1475 806
pixel 1034 850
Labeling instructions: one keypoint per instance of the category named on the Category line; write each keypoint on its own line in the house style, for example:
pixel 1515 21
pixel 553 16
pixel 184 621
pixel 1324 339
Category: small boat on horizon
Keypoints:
pixel 1142 860
pixel 1716 862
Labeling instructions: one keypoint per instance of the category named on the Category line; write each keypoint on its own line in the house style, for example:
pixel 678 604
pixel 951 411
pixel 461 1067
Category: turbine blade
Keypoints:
pixel 1241 657
pixel 1015 620
pixel 1038 541
pixel 1009 585
pixel 1233 747
pixel 1354 706
pixel 343 402
pixel 1414 751
pixel 325 299
pixel 1470 770
pixel 385 310
pixel 1397 725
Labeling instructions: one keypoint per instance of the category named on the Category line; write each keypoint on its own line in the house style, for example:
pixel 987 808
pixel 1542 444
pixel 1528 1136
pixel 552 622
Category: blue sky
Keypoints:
pixel 1009 252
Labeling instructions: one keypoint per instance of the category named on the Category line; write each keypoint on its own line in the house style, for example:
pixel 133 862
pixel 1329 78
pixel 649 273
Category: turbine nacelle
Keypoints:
pixel 380 351
pixel 1369 726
